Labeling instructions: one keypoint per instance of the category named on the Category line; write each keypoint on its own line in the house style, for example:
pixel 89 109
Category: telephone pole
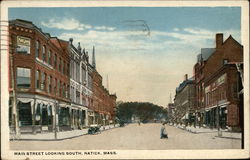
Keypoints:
pixel 15 116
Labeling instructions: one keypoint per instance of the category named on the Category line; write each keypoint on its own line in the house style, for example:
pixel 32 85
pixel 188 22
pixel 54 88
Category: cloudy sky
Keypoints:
pixel 145 51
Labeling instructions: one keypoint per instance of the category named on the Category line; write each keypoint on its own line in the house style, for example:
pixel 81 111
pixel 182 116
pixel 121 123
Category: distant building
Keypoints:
pixel 184 101
pixel 171 112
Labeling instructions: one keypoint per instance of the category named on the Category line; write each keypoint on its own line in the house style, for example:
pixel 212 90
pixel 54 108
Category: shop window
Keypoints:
pixel 23 77
pixel 25 116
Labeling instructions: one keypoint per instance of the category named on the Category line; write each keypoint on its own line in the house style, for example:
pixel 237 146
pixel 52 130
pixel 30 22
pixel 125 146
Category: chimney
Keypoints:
pixel 71 41
pixel 93 57
pixel 219 40
pixel 79 48
pixel 185 77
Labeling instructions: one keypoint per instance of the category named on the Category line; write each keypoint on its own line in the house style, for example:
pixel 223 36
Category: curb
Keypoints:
pixel 59 139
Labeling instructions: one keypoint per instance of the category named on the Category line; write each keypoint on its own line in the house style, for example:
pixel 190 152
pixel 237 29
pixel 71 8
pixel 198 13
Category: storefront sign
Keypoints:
pixel 23 45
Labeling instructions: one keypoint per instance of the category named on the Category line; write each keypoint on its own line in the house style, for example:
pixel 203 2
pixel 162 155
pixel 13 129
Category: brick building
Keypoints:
pixel 41 75
pixel 184 101
pixel 218 83
pixel 104 103
pixel 171 112
pixel 53 83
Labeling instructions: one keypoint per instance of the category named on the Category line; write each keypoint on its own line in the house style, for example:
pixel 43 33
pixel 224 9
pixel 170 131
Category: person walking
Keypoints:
pixel 163 131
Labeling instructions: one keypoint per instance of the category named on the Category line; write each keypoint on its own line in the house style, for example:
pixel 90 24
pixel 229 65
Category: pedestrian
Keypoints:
pixel 163 131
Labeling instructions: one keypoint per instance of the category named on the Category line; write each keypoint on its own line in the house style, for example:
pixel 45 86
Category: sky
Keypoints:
pixel 144 51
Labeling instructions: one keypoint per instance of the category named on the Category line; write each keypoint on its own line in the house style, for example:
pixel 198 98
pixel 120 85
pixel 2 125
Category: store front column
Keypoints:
pixel 34 117
pixel 86 118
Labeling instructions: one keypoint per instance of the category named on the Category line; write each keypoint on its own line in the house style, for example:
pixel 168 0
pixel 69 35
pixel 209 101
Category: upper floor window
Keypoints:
pixel 83 76
pixel 59 67
pixel 55 87
pixel 49 57
pixel 37 48
pixel 55 61
pixel 225 61
pixel 62 66
pixel 37 79
pixel 23 45
pixel 43 81
pixel 59 88
pixel 44 53
pixel 23 77
pixel 49 83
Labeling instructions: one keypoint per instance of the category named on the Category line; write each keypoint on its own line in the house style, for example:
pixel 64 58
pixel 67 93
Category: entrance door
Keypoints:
pixel 44 115
pixel 25 116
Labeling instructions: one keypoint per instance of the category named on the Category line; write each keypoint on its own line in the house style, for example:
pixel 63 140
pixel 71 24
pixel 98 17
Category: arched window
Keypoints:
pixel 44 53
pixel 37 79
pixel 37 48
pixel 49 57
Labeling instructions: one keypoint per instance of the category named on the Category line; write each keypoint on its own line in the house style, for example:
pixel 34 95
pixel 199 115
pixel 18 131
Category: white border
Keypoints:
pixel 133 154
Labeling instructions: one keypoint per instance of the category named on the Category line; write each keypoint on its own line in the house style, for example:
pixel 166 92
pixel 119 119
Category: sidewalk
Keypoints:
pixel 50 136
pixel 225 133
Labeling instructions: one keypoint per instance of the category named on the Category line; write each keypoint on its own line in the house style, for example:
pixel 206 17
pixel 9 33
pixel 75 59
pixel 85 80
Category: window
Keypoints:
pixel 58 88
pixel 59 67
pixel 37 79
pixel 83 76
pixel 44 53
pixel 225 61
pixel 23 77
pixel 63 90
pixel 49 57
pixel 49 83
pixel 68 69
pixel 43 81
pixel 67 91
pixel 23 45
pixel 37 48
pixel 62 67
pixel 55 89
pixel 55 61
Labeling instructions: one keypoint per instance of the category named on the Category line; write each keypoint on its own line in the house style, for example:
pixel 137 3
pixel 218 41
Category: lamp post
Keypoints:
pixel 218 118
pixel 55 120
pixel 15 116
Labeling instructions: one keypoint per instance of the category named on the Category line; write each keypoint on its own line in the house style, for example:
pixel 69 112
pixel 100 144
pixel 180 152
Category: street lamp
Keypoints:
pixel 218 118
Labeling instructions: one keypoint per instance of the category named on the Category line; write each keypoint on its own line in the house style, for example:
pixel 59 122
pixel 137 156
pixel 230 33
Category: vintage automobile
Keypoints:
pixel 94 129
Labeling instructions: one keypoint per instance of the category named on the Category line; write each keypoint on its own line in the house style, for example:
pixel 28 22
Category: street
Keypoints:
pixel 132 137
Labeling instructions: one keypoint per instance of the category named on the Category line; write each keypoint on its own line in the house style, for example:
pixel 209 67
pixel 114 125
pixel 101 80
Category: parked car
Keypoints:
pixel 94 129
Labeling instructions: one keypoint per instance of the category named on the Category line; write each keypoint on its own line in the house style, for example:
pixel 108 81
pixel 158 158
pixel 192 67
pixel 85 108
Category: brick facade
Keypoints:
pixel 218 83
pixel 46 87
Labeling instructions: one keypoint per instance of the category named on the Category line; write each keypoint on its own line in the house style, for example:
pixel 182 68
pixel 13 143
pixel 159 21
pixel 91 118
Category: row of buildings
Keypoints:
pixel 52 84
pixel 213 96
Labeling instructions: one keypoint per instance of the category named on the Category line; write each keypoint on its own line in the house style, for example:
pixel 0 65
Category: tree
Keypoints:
pixel 145 111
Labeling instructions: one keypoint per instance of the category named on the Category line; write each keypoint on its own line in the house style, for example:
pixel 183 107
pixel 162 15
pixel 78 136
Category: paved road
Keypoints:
pixel 133 136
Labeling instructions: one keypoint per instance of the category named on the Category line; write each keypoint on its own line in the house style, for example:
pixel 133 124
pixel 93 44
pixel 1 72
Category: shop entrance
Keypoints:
pixel 25 116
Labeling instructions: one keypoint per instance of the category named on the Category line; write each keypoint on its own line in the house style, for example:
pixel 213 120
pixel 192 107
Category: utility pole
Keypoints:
pixel 15 116
pixel 55 120
pixel 218 118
